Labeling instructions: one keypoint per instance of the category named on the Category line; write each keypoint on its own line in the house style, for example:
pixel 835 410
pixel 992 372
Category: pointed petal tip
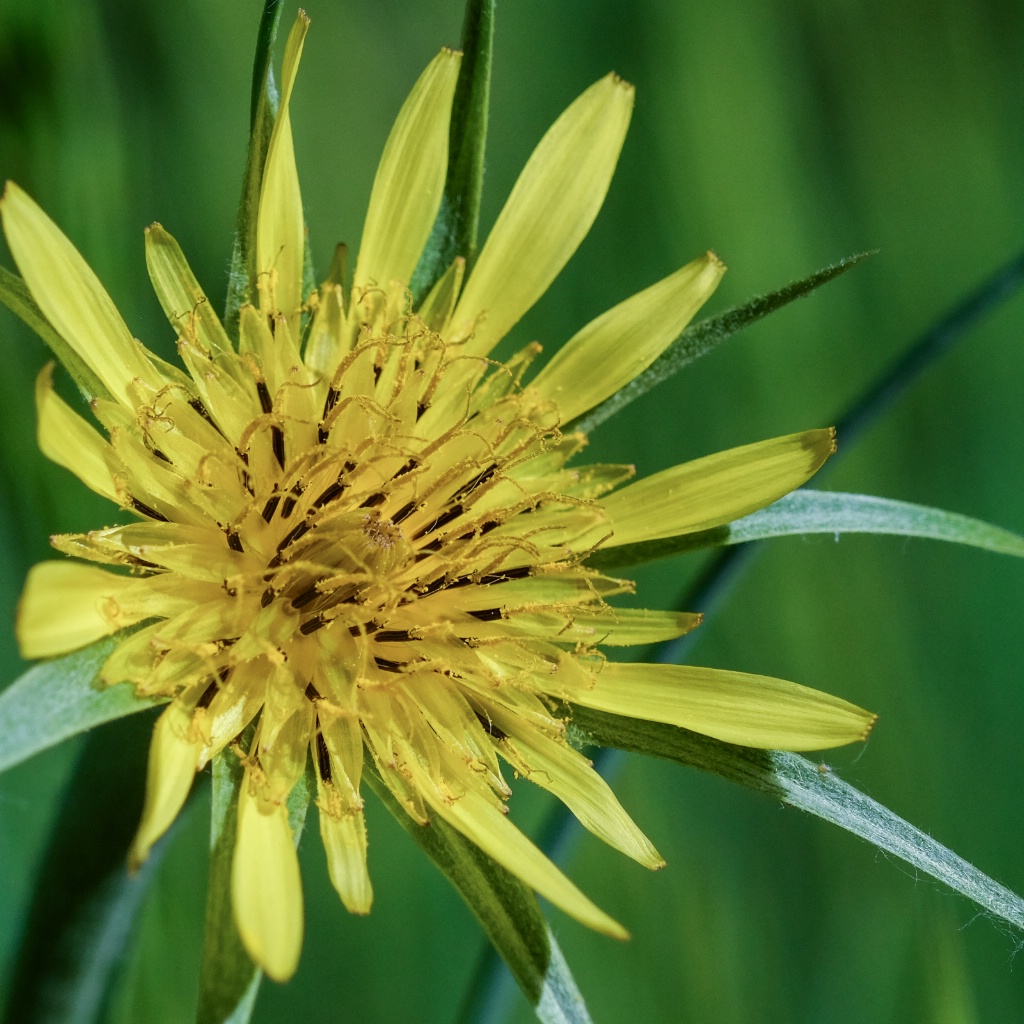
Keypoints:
pixel 620 83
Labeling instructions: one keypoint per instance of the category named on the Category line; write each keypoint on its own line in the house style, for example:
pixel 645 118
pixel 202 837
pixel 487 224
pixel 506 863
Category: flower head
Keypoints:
pixel 358 537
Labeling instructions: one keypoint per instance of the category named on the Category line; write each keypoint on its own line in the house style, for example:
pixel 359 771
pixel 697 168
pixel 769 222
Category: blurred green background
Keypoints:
pixel 784 135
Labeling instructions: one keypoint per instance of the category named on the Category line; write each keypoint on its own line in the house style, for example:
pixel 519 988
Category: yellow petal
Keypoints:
pixel 266 890
pixel 410 178
pixel 563 771
pixel 280 230
pixel 71 296
pixel 173 754
pixel 67 605
pixel 437 308
pixel 343 831
pixel 67 439
pixel 755 711
pixel 549 212
pixel 714 490
pixel 620 344
pixel 184 302
pixel 481 823
pixel 615 627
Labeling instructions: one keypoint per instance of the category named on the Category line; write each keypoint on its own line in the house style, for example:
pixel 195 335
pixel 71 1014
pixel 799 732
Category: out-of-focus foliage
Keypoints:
pixel 784 135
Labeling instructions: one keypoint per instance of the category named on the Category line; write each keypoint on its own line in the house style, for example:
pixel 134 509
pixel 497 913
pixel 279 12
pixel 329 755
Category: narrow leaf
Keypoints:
pixel 230 981
pixel 86 903
pixel 455 229
pixel 14 294
pixel 61 698
pixel 263 110
pixel 505 907
pixel 808 511
pixel 828 512
pixel 818 790
pixel 700 338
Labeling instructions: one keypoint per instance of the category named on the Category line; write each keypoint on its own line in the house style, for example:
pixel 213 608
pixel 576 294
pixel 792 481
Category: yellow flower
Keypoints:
pixel 362 537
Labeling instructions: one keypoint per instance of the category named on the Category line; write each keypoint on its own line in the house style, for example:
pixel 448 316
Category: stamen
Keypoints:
pixel 271 507
pixel 442 520
pixel 208 694
pixel 290 501
pixel 266 402
pixel 323 757
pixel 306 597
pixel 490 728
pixel 293 535
pixel 487 614
pixel 404 512
pixel 277 443
pixel 145 510
pixel 394 636
pixel 518 573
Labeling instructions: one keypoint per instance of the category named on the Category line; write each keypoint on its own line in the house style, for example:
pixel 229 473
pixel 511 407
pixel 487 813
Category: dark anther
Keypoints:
pixel 487 614
pixel 277 442
pixel 403 513
pixel 377 372
pixel 490 728
pixel 208 694
pixel 332 396
pixel 461 581
pixel 386 665
pixel 434 545
pixel 329 495
pixel 374 499
pixel 197 405
pixel 394 636
pixel 312 625
pixel 159 454
pixel 517 573
pixel 289 503
pixel 487 527
pixel 481 478
pixel 421 408
pixel 366 629
pixel 307 596
pixel 322 435
pixel 323 758
pixel 234 541
pixel 265 401
pixel 140 563
pixel 432 588
pixel 271 507
pixel 145 510
pixel 410 465
pixel 442 520
pixel 312 694
pixel 293 535
pixel 268 596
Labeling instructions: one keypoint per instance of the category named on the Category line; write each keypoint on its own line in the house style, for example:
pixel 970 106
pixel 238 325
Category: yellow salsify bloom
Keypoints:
pixel 361 536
